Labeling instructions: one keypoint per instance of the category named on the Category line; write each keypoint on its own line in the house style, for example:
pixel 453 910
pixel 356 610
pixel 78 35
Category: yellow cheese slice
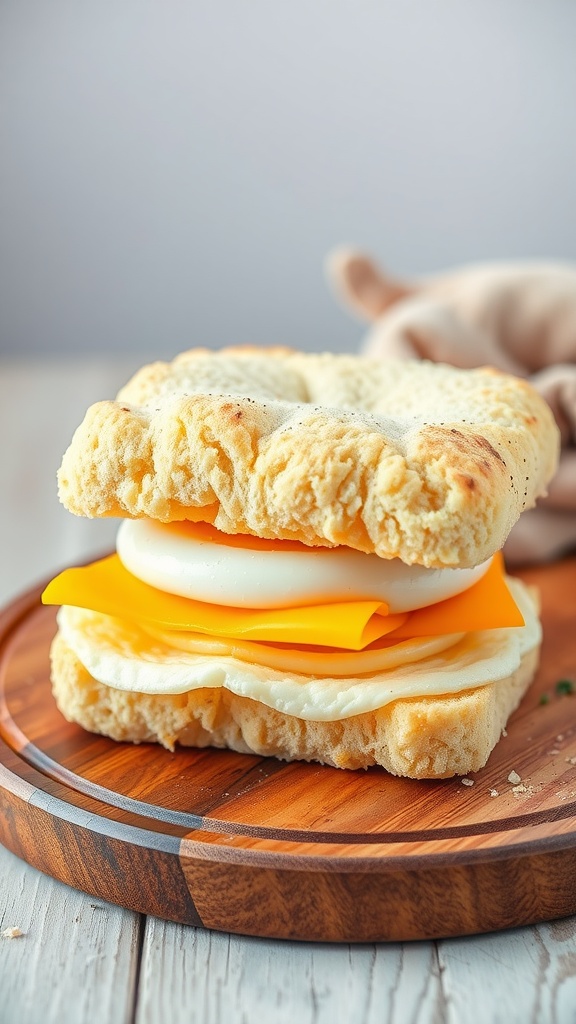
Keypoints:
pixel 486 605
pixel 106 586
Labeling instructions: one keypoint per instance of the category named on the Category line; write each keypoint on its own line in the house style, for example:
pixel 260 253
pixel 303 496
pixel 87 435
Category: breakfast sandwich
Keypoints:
pixel 309 561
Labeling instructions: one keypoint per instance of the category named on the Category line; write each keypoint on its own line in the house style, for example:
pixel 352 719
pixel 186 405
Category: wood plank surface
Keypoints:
pixel 77 959
pixel 308 983
pixel 528 975
pixel 187 974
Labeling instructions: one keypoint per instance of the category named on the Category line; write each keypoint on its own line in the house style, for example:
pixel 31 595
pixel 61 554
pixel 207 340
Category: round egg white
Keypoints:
pixel 238 577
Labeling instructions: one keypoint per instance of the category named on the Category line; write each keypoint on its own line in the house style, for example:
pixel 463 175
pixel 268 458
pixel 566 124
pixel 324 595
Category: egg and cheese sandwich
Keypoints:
pixel 309 565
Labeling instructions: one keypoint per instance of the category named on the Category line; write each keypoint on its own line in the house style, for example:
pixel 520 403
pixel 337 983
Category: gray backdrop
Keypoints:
pixel 173 172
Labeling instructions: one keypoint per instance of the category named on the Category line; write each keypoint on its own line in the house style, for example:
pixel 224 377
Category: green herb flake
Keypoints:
pixel 564 687
pixel 544 698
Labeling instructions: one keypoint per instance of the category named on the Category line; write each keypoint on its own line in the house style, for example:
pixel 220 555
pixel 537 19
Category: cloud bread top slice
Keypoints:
pixel 414 460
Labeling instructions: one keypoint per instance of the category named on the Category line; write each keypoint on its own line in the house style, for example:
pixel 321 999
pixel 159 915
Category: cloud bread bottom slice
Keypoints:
pixel 419 737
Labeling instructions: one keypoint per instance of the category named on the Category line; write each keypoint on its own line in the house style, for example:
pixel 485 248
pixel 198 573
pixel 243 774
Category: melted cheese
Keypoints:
pixel 382 654
pixel 107 587
pixel 120 654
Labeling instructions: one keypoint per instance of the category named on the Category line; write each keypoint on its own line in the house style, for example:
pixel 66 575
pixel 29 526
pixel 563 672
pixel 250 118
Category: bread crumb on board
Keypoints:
pixel 467 782
pixel 12 933
pixel 514 778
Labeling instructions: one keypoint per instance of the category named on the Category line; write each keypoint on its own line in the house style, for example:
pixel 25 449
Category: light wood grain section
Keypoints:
pixel 244 980
pixel 526 976
pixel 77 960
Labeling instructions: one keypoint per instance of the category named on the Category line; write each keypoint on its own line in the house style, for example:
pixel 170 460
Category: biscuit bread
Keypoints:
pixel 409 460
pixel 412 461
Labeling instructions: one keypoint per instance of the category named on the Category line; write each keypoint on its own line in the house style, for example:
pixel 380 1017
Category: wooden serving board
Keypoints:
pixel 252 845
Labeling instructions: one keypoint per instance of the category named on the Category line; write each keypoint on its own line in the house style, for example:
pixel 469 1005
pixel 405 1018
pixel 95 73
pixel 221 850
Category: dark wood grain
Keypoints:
pixel 252 845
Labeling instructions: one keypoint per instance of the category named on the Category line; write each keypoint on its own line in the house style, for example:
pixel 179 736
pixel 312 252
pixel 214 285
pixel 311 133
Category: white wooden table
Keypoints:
pixel 82 960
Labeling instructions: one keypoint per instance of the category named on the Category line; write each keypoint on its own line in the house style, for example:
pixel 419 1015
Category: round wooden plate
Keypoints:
pixel 252 845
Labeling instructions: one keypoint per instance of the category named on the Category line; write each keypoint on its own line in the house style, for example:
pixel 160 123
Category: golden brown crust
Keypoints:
pixel 412 460
pixel 421 737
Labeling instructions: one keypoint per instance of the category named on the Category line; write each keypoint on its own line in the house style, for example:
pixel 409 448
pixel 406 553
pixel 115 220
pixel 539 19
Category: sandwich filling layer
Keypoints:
pixel 362 649
pixel 122 655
